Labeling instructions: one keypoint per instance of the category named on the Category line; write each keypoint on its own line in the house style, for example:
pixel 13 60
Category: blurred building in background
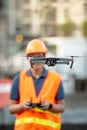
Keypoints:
pixel 22 20
pixel 45 17
pixel 41 17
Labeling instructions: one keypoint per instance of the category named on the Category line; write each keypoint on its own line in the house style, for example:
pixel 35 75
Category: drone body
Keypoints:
pixel 52 61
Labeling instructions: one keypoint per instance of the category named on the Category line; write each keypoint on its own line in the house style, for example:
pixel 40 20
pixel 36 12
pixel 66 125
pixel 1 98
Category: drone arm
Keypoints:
pixel 72 63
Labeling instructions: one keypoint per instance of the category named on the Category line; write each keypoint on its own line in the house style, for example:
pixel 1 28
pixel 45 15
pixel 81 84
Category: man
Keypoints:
pixel 37 95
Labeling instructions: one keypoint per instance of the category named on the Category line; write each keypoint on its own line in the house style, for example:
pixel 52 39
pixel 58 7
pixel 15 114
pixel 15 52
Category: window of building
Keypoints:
pixel 66 0
pixel 1 4
pixel 48 17
pixel 48 30
pixel 85 8
pixel 48 1
pixel 26 1
pixel 48 14
pixel 27 29
pixel 27 13
pixel 66 13
pixel 18 3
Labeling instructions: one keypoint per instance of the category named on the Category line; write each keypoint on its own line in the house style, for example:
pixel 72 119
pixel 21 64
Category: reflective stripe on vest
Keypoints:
pixel 37 121
pixel 39 110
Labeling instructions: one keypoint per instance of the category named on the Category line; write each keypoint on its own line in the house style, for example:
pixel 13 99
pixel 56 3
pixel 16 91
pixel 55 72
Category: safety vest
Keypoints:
pixel 35 118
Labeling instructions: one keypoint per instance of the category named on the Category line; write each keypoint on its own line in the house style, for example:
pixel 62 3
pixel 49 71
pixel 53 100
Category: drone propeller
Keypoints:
pixel 76 56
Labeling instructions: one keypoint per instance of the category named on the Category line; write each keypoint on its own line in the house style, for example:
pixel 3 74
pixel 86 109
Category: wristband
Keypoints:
pixel 50 106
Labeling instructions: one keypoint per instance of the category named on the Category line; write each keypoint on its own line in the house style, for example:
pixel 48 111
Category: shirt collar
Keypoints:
pixel 43 74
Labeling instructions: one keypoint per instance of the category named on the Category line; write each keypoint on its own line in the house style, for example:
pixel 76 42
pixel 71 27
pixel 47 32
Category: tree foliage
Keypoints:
pixel 66 29
pixel 84 28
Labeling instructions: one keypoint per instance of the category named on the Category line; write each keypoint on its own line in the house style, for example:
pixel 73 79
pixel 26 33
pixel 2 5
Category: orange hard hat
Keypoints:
pixel 36 46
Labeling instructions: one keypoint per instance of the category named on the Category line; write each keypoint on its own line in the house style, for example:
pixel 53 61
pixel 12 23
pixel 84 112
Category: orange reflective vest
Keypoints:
pixel 35 118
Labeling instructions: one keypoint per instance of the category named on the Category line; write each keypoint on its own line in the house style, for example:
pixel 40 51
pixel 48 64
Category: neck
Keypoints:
pixel 37 73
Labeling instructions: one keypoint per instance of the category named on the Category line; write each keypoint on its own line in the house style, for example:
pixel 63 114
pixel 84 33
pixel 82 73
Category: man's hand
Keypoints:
pixel 56 108
pixel 26 105
pixel 44 105
pixel 14 107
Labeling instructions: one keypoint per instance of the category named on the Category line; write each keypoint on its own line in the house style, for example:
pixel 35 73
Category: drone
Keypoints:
pixel 52 61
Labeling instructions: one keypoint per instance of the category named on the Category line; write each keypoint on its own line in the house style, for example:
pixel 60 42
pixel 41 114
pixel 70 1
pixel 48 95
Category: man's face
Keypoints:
pixel 36 55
